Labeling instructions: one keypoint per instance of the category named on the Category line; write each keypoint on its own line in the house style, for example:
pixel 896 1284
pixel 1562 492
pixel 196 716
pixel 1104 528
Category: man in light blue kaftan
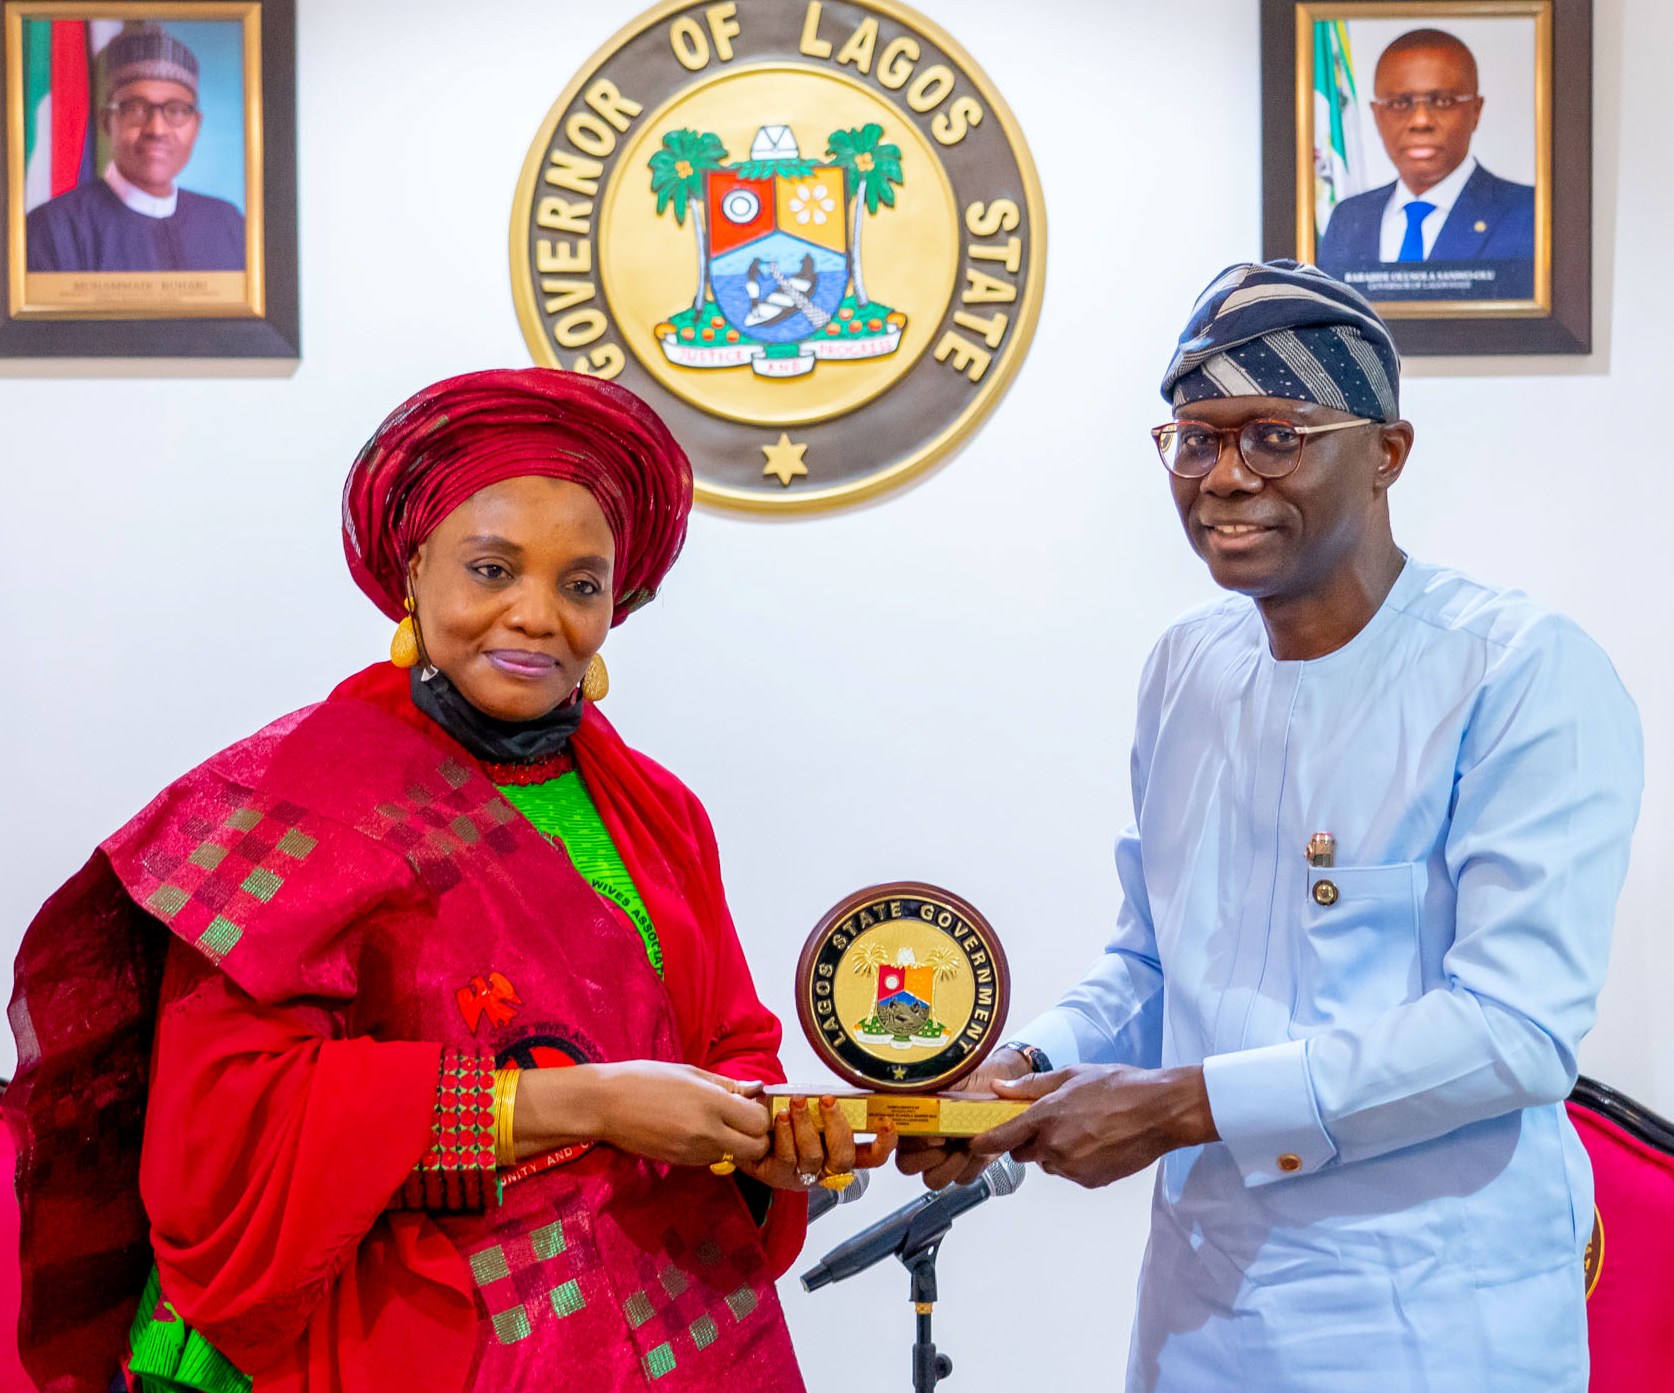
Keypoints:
pixel 1353 1072
pixel 1398 1200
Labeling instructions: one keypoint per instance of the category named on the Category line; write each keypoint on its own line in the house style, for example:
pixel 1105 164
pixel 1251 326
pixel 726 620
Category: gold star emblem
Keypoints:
pixel 784 460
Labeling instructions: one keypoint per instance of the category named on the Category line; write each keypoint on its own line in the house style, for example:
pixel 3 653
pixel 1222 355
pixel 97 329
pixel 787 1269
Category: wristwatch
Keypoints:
pixel 1038 1062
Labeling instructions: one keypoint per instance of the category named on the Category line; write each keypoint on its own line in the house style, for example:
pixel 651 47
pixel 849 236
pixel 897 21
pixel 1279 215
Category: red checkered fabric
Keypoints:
pixel 221 863
pixel 438 818
pixel 689 1295
pixel 538 1271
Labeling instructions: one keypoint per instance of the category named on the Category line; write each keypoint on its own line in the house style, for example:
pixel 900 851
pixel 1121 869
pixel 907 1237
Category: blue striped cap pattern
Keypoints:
pixel 1284 329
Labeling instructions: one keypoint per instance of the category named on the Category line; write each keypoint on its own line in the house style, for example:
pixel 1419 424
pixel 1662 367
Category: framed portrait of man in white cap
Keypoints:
pixel 1435 155
pixel 149 178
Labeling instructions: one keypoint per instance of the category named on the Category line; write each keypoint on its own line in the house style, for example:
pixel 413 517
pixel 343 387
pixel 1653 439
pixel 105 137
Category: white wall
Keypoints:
pixel 938 687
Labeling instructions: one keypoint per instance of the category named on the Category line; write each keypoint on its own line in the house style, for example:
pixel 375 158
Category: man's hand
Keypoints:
pixel 1095 1123
pixel 944 1161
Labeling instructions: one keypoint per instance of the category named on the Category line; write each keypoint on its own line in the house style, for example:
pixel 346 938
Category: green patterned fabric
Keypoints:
pixel 563 810
pixel 168 1356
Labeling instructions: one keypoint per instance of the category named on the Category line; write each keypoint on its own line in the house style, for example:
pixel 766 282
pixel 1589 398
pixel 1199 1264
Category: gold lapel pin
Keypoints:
pixel 1322 853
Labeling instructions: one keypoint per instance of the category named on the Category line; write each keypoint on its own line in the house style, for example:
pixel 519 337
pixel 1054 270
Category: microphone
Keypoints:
pixel 913 1227
pixel 822 1201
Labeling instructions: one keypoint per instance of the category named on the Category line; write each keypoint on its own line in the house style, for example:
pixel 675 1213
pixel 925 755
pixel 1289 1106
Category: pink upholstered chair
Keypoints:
pixel 1630 1261
pixel 11 1371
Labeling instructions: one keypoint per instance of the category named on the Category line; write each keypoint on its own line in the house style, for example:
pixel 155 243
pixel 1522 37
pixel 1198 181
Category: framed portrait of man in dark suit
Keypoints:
pixel 1434 154
pixel 149 178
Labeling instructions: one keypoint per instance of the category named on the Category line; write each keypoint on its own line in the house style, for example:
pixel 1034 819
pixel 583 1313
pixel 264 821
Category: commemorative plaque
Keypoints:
pixel 902 991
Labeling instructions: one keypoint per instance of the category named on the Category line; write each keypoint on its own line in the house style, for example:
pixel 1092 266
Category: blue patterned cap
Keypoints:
pixel 1284 329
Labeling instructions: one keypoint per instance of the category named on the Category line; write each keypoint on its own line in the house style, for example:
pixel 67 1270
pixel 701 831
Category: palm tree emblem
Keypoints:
pixel 677 174
pixel 872 171
pixel 946 964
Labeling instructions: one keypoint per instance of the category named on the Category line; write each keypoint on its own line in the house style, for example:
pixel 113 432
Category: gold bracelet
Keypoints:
pixel 504 1106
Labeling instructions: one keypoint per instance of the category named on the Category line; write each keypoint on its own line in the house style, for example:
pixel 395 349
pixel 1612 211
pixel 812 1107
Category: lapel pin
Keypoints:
pixel 1322 853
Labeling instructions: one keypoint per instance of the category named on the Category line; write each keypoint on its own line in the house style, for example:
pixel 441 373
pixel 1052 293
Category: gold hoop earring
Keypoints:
pixel 595 683
pixel 403 645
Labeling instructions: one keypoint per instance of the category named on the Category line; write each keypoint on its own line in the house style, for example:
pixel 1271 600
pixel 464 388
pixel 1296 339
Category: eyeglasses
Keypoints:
pixel 1272 449
pixel 137 112
pixel 1404 103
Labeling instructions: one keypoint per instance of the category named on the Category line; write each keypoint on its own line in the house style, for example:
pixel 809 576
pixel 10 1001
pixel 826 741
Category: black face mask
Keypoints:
pixel 490 739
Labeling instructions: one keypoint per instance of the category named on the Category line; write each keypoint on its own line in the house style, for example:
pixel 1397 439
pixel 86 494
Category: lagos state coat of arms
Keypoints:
pixel 809 234
pixel 902 988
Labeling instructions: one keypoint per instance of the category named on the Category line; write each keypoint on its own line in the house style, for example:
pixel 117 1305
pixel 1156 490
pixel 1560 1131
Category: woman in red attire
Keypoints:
pixel 424 1001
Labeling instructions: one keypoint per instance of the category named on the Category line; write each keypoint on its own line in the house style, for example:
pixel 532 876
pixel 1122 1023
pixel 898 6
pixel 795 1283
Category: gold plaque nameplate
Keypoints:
pixel 925 1115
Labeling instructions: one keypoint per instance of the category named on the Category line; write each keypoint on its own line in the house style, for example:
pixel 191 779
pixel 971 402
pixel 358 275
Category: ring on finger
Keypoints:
pixel 806 1180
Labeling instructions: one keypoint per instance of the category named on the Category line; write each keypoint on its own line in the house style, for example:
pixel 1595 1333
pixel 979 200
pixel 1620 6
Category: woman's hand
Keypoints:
pixel 804 1150
pixel 666 1112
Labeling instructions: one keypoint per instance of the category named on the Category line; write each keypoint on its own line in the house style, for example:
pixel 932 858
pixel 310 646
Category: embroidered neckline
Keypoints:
pixel 537 771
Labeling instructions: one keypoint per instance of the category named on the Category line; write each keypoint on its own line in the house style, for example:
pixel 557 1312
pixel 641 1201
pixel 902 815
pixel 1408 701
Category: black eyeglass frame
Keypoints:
pixel 151 108
pixel 1221 432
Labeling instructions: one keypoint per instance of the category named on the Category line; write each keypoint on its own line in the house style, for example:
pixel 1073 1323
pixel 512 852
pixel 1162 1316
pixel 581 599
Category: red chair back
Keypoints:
pixel 11 1278
pixel 1630 1261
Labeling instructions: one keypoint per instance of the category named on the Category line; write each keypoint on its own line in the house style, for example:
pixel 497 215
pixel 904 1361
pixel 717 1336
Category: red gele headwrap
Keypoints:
pixel 456 438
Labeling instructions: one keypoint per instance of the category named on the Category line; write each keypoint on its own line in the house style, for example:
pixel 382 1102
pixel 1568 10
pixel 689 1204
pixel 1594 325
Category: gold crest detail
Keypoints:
pixel 812 238
pixel 902 988
pixel 1593 1259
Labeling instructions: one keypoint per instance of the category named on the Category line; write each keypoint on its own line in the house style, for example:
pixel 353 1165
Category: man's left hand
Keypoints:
pixel 1095 1123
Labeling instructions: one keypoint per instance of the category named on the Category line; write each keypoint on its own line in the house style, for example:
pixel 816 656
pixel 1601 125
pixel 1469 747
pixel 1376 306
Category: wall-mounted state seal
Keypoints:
pixel 809 234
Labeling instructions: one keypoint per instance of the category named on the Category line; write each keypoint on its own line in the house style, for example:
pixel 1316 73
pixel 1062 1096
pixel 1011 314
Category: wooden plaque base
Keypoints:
pixel 914 1114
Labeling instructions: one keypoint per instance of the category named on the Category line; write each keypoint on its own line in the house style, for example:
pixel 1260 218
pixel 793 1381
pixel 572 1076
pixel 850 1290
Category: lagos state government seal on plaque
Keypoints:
pixel 808 232
pixel 902 990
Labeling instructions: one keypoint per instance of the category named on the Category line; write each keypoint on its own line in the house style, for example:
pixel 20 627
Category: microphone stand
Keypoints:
pixel 929 1367
pixel 926 1225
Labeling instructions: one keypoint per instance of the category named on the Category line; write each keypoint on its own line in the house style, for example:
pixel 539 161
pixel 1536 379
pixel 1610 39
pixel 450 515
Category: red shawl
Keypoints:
pixel 272 1235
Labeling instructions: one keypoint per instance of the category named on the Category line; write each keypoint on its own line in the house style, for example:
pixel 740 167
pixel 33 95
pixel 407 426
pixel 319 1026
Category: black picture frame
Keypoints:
pixel 269 328
pixel 1558 318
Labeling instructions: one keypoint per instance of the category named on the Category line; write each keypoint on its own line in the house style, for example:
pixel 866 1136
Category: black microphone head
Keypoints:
pixel 1004 1176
